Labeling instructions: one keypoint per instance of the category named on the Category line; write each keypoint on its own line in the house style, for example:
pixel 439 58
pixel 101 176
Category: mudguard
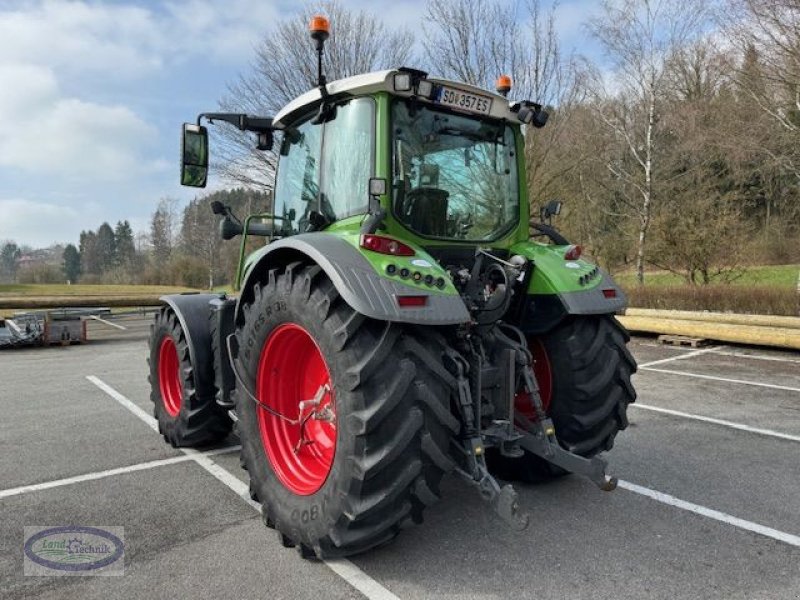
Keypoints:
pixel 193 312
pixel 559 288
pixel 355 279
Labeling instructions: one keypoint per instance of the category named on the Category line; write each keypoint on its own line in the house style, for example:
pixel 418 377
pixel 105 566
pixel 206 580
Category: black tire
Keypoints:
pixel 200 420
pixel 393 418
pixel 591 370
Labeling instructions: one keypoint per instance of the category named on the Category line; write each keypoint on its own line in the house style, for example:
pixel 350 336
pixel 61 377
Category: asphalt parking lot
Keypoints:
pixel 708 505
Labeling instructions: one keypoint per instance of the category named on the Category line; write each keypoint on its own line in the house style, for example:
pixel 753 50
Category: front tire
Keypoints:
pixel 376 458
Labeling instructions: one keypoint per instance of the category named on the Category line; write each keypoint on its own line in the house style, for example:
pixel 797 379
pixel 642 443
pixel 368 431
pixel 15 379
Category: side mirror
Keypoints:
pixel 551 209
pixel 194 155
pixel 532 114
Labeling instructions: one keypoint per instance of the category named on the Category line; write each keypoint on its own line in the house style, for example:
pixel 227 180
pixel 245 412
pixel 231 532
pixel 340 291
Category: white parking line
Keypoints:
pixel 781 536
pixel 138 411
pixel 679 357
pixel 731 424
pixel 725 379
pixel 36 487
pixel 755 356
pixel 342 567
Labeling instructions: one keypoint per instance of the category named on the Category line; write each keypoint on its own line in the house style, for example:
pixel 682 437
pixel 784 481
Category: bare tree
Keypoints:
pixel 163 234
pixel 769 31
pixel 285 66
pixel 702 163
pixel 767 36
pixel 639 36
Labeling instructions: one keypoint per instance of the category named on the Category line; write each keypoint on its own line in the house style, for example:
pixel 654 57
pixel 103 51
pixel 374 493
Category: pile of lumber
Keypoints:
pixel 757 330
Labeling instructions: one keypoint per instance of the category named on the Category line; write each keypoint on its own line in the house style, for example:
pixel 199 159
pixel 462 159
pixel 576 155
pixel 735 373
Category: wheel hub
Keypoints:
pixel 169 378
pixel 294 381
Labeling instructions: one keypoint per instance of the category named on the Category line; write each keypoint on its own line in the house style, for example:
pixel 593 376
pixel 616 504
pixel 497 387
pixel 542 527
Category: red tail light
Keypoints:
pixel 385 245
pixel 610 293
pixel 411 301
pixel 573 253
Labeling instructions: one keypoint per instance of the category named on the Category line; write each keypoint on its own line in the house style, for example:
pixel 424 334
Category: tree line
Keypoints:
pixel 181 247
pixel 676 149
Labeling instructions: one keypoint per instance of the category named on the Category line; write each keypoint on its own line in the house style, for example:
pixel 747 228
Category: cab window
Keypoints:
pixel 347 160
pixel 339 188
pixel 297 182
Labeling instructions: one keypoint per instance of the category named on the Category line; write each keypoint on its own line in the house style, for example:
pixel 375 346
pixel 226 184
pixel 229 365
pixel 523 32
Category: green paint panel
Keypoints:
pixel 422 263
pixel 552 274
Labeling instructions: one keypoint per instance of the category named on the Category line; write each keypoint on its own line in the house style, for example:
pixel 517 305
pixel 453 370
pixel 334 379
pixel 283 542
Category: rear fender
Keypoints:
pixel 193 312
pixel 354 278
pixel 559 288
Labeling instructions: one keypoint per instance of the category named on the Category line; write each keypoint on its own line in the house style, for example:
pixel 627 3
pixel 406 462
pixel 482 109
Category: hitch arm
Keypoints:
pixel 541 440
pixel 593 468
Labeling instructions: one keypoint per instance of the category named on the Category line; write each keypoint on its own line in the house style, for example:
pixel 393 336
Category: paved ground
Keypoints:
pixel 724 456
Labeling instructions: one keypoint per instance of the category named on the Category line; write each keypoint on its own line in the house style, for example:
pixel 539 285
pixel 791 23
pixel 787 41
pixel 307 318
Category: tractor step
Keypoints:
pixel 682 340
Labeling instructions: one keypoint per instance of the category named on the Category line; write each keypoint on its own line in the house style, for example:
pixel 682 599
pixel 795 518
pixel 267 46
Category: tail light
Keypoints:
pixel 411 301
pixel 573 253
pixel 385 245
pixel 610 293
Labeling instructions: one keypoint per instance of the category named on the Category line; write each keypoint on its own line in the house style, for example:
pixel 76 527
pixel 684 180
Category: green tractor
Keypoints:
pixel 400 323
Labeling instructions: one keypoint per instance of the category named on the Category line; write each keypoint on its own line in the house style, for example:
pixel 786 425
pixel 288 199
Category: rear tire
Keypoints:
pixel 590 372
pixel 392 417
pixel 184 418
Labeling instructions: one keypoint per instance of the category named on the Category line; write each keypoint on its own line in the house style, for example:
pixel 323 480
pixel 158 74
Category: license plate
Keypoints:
pixel 461 100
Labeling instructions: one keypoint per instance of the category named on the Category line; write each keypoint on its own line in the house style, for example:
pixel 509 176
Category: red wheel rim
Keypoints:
pixel 291 370
pixel 169 377
pixel 544 377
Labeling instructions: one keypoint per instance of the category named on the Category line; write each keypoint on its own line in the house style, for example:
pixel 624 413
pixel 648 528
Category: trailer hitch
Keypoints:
pixel 538 436
pixel 504 499
pixel 541 440
pixel 593 468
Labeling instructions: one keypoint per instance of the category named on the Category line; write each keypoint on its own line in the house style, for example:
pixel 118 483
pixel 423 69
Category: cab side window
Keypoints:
pixel 297 183
pixel 337 189
pixel 347 159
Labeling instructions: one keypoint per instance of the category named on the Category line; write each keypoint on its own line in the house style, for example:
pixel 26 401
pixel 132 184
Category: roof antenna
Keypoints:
pixel 320 29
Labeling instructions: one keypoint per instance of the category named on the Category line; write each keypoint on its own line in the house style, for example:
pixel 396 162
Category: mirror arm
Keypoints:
pixel 241 121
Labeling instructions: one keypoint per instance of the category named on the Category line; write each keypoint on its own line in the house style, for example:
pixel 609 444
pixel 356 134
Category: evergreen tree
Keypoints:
pixel 9 257
pixel 125 255
pixel 72 263
pixel 90 261
pixel 106 247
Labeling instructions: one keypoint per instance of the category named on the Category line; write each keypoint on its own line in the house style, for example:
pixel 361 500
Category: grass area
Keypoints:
pixel 31 289
pixel 778 276
pixel 752 299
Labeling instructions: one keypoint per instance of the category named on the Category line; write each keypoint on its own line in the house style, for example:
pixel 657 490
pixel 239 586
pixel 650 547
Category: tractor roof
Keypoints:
pixel 382 81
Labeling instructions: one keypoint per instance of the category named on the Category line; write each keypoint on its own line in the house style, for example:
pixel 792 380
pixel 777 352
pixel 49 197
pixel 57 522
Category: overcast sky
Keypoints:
pixel 92 96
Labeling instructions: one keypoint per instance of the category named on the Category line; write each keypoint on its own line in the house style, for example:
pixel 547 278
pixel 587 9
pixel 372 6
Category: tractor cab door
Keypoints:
pixel 324 169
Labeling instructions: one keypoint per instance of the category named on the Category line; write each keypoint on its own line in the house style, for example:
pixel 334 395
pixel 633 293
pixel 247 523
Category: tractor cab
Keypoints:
pixel 449 154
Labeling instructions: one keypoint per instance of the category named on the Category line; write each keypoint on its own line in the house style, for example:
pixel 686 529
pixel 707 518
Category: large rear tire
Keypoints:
pixel 347 479
pixel 584 370
pixel 184 417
